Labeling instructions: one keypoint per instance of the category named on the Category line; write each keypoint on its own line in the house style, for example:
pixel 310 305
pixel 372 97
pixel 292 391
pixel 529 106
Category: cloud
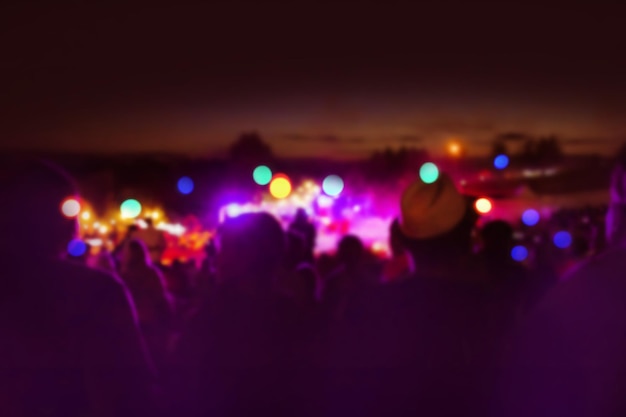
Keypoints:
pixel 296 137
pixel 325 138
pixel 513 136
pixel 409 138
pixel 458 126
pixel 356 140
pixel 584 141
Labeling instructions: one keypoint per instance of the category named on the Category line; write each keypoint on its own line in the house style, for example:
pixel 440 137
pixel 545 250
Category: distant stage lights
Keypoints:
pixel 233 210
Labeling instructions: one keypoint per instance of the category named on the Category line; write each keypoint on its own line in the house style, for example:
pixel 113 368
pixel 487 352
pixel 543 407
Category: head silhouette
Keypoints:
pixel 301 216
pixel 131 230
pixel 251 249
pixel 295 253
pixel 350 250
pixel 32 194
pixel 137 253
pixel 497 237
pixel 395 239
pixel 616 214
pixel 436 223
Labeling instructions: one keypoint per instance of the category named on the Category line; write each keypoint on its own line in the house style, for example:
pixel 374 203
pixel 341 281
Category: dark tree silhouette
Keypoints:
pixel 620 155
pixel 251 148
pixel 528 152
pixel 548 150
pixel 389 165
pixel 498 148
pixel 543 151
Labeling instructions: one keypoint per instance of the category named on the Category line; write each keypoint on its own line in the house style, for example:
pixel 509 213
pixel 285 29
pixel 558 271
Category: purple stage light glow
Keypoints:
pixel 324 201
pixel 531 217
pixel 333 185
pixel 233 210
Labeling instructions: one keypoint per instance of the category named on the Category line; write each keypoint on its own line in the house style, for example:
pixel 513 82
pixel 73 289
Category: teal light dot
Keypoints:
pixel 429 173
pixel 262 175
pixel 130 209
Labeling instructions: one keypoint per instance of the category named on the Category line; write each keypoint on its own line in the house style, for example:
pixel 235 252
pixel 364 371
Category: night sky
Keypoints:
pixel 336 81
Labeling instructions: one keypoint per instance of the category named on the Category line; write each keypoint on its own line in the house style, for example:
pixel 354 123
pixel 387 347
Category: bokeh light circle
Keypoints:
pixel 454 148
pixel 280 187
pixel 70 207
pixel 324 201
pixel 562 239
pixel 501 161
pixel 233 210
pixel 332 185
pixel 76 247
pixel 429 173
pixel 483 205
pixel 185 185
pixel 530 217
pixel 130 209
pixel 262 175
pixel 519 253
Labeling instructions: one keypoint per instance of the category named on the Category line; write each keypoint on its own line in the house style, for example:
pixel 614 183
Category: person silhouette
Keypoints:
pixel 354 274
pixel 236 357
pixel 303 226
pixel 568 358
pixel 120 253
pixel 415 346
pixel 398 266
pixel 70 343
pixel 147 287
pixel 154 240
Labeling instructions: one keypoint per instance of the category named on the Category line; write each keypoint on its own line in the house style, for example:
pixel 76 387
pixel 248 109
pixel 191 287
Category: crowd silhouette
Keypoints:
pixel 449 325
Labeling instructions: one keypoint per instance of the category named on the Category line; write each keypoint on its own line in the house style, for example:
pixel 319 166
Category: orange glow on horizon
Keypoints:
pixel 455 149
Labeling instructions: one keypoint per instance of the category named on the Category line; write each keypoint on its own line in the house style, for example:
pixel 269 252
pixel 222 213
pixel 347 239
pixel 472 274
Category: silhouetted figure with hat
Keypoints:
pixel 413 347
